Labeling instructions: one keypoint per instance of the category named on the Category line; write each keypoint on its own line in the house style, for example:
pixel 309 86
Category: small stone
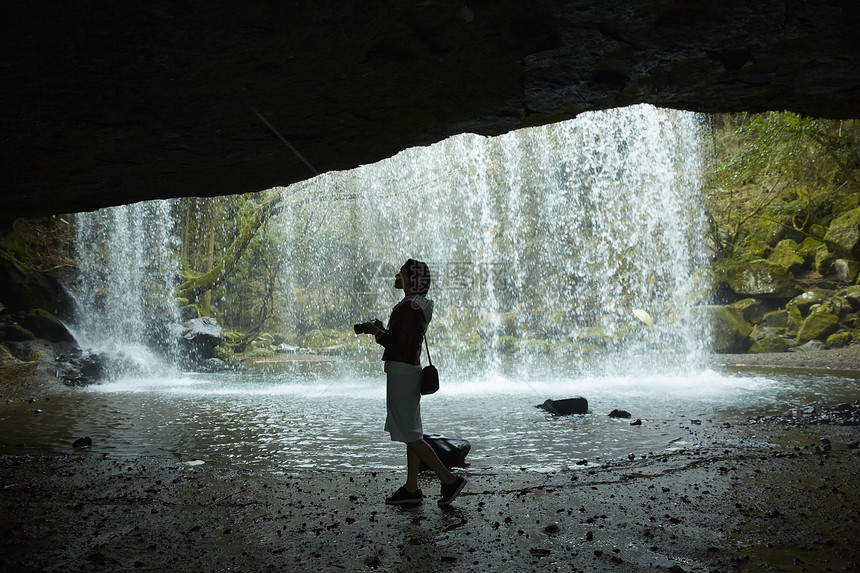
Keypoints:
pixel 637 422
pixel 619 414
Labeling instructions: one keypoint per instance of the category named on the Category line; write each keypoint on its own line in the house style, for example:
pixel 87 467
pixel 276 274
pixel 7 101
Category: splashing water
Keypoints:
pixel 125 284
pixel 542 242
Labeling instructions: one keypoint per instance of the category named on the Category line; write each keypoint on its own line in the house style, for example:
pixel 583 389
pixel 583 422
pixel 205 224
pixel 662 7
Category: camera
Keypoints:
pixel 363 327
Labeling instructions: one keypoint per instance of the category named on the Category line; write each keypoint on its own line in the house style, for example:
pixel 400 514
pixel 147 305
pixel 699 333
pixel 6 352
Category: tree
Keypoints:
pixel 777 174
pixel 196 284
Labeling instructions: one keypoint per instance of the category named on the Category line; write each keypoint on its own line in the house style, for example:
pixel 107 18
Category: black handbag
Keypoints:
pixel 429 375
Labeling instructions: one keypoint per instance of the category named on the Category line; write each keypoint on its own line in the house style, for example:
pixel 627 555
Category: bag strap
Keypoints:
pixel 428 350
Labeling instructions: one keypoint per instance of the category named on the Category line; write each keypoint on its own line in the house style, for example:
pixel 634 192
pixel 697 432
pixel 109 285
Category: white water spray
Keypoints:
pixel 125 283
pixel 542 242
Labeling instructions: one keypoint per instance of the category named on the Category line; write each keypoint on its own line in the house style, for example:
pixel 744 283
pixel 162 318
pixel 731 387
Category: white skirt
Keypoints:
pixel 403 401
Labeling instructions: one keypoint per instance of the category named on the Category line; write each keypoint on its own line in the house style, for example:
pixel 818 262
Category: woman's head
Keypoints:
pixel 415 274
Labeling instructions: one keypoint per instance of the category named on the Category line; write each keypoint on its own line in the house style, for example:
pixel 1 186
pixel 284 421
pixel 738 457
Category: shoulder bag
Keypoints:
pixel 429 375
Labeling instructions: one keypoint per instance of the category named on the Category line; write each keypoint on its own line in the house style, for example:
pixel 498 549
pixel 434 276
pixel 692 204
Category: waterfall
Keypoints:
pixel 124 288
pixel 542 242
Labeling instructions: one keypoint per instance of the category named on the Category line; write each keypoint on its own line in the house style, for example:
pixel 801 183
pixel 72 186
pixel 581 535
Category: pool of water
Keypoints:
pixel 329 415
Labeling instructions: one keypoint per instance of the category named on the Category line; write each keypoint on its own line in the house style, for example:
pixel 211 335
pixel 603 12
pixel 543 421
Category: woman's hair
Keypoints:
pixel 419 276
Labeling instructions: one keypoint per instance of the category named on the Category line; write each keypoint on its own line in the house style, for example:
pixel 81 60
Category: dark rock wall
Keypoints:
pixel 109 103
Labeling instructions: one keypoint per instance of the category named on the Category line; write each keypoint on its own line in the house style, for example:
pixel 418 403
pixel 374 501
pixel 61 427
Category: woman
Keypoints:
pixel 402 342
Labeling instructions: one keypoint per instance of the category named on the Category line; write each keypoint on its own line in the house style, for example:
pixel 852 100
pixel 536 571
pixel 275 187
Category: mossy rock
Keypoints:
pixel 818 232
pixel 755 249
pixel 730 332
pixel 45 325
pixel 536 346
pixel 846 271
pixel 823 261
pixel 843 235
pixel 846 203
pixel 852 294
pixel 508 344
pixel 768 344
pixel 839 339
pixel 24 288
pixel 817 326
pixel 14 332
pixel 806 300
pixel 810 245
pixel 777 318
pixel 795 319
pixel 785 254
pixel 328 339
pixel 752 310
pixel 760 278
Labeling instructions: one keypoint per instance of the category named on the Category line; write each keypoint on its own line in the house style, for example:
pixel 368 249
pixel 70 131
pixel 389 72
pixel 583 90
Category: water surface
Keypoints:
pixel 329 416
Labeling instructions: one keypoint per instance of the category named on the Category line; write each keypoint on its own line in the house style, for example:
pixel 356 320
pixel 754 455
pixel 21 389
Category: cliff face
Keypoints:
pixel 106 103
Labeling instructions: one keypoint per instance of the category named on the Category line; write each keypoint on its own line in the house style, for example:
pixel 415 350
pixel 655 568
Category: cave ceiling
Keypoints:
pixel 107 103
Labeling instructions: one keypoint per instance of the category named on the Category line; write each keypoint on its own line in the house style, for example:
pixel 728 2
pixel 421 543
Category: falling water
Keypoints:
pixel 125 283
pixel 542 242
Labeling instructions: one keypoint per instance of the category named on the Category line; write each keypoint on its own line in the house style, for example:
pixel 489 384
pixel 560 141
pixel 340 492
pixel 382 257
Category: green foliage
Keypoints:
pixel 224 352
pixel 778 176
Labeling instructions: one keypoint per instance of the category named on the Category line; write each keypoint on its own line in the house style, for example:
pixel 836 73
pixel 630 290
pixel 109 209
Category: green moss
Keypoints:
pixel 839 339
pixel 508 344
pixel 225 352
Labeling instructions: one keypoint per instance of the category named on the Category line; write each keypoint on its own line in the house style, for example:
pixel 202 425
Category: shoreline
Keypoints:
pixel 836 359
pixel 756 496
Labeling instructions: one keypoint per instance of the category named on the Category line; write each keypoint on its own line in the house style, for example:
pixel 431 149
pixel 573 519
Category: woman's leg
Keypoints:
pixel 420 451
pixel 413 464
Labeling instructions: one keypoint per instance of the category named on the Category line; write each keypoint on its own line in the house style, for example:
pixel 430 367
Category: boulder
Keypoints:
pixel 451 451
pixel 45 325
pixel 771 342
pixel 730 332
pixel 777 318
pixel 79 369
pixel 843 235
pixel 199 337
pixel 817 231
pixel 761 278
pixel 795 319
pixel 619 414
pixel 818 326
pixel 85 442
pixel 785 254
pixel 23 288
pixel 839 339
pixel 823 261
pixel 752 310
pixel 846 271
pixel 852 295
pixel 566 407
pixel 806 300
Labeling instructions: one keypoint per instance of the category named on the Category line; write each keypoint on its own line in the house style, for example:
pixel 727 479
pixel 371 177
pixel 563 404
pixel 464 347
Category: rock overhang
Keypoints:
pixel 107 104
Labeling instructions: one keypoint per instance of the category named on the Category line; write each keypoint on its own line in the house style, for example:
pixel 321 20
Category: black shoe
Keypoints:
pixel 451 491
pixel 403 497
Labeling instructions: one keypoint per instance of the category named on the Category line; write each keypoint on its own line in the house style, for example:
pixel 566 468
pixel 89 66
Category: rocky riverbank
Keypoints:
pixel 761 498
pixel 766 494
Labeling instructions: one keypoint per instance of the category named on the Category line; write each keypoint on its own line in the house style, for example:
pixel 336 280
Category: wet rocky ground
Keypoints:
pixel 761 497
pixel 764 494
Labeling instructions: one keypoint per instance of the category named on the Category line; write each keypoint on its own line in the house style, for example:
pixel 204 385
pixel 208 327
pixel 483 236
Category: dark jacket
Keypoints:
pixel 405 333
